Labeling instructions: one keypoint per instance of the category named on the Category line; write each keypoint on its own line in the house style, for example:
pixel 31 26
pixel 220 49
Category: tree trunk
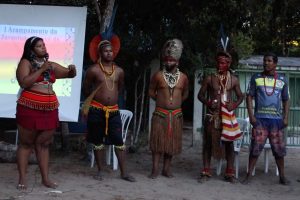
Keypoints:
pixel 107 15
pixel 104 18
pixel 285 49
pixel 97 7
pixel 141 109
pixel 132 138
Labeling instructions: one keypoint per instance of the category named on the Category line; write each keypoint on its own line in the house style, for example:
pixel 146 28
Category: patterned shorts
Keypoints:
pixel 268 128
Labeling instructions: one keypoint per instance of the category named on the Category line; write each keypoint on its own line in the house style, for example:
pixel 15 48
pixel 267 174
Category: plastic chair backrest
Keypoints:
pixel 244 127
pixel 243 124
pixel 126 116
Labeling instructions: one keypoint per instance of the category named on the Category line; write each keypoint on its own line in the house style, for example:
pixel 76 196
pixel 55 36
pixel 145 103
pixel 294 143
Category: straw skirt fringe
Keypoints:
pixel 212 138
pixel 160 140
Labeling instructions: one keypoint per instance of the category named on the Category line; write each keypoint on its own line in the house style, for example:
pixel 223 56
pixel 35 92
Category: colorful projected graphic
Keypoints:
pixel 59 43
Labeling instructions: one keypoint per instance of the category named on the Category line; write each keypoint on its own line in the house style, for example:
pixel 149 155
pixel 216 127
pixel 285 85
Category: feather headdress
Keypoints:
pixel 107 35
pixel 172 48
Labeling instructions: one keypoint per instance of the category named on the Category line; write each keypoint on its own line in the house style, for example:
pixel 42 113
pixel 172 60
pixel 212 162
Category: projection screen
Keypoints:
pixel 63 31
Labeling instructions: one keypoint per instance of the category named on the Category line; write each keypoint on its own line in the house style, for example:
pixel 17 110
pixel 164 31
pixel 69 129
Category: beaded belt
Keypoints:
pixel 170 114
pixel 38 101
pixel 107 110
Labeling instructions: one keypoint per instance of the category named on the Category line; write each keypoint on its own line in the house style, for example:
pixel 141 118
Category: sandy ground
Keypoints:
pixel 74 177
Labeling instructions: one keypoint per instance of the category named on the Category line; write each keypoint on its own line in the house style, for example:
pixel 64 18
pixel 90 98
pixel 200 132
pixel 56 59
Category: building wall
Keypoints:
pixel 198 110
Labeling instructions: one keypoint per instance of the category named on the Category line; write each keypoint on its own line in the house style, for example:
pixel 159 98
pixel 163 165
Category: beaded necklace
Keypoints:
pixel 40 63
pixel 223 86
pixel 107 75
pixel 37 64
pixel 273 89
pixel 171 80
pixel 113 67
pixel 113 82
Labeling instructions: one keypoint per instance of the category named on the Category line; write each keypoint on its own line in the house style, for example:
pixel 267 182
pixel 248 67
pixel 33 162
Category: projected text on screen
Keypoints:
pixel 59 42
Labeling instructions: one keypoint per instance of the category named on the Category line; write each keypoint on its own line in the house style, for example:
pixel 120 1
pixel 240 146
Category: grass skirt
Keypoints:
pixel 162 140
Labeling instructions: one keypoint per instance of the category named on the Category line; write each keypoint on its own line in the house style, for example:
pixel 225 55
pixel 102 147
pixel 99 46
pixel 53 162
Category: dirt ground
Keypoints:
pixel 74 176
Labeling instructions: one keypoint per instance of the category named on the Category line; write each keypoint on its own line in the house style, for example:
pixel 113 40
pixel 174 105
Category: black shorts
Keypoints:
pixel 96 124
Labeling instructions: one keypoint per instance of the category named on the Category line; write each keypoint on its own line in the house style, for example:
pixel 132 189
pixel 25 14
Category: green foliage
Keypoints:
pixel 242 44
pixel 144 26
pixel 274 24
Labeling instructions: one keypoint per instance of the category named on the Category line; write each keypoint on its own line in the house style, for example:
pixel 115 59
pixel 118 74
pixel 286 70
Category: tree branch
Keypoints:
pixel 107 15
pixel 97 7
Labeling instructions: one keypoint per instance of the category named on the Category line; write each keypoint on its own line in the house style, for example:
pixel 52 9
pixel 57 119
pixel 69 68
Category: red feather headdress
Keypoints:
pixel 93 47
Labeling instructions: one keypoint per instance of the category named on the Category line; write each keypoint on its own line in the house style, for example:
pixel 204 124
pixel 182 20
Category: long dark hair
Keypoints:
pixel 28 48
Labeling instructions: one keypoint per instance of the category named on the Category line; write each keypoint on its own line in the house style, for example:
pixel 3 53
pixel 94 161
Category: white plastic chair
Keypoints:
pixel 126 116
pixel 237 147
pixel 267 149
pixel 244 127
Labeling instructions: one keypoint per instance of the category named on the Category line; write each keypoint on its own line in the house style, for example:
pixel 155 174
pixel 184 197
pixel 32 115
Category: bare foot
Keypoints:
pixel 284 181
pixel 167 174
pixel 204 175
pixel 21 187
pixel 246 181
pixel 98 176
pixel 203 178
pixel 153 175
pixel 128 178
pixel 50 184
pixel 231 179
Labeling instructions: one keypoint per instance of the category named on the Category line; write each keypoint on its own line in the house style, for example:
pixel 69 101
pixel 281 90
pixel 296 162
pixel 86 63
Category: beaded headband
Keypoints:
pixel 104 43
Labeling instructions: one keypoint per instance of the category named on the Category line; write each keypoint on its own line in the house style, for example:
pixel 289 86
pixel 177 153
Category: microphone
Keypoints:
pixel 46 73
pixel 46 56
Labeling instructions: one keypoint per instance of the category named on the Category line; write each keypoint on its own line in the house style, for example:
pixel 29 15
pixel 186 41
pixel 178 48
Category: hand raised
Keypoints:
pixel 46 66
pixel 72 71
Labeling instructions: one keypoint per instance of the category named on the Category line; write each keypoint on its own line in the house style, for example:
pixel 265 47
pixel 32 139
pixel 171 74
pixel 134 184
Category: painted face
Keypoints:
pixel 106 53
pixel 223 64
pixel 170 63
pixel 269 64
pixel 40 49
